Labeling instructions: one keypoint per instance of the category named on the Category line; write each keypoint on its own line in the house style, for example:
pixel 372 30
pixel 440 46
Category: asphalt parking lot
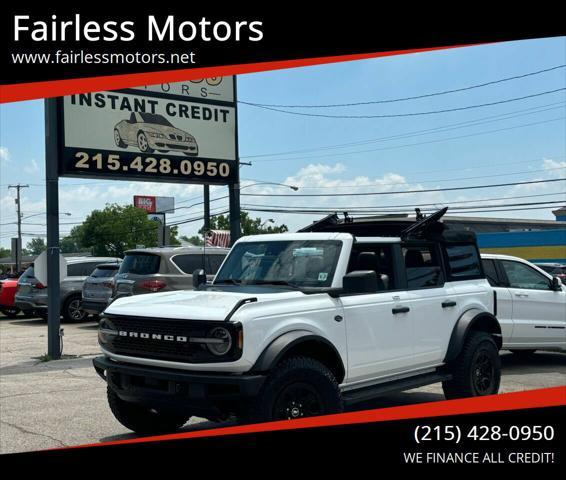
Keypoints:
pixel 54 404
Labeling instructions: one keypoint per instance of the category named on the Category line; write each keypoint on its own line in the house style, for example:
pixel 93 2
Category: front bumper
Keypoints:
pixel 207 394
pixel 169 144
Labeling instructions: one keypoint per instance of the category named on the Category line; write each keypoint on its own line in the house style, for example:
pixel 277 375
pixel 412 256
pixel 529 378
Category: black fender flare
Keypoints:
pixel 473 319
pixel 277 349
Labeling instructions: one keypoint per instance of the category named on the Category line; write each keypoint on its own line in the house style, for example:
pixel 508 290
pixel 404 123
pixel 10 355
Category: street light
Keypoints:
pixel 45 213
pixel 292 187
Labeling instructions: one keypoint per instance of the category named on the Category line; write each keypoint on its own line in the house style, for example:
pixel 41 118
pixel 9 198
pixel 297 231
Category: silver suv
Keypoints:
pixel 98 287
pixel 32 294
pixel 162 269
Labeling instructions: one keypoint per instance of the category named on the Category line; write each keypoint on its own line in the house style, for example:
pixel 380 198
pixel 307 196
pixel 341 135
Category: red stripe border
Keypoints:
pixel 57 88
pixel 540 398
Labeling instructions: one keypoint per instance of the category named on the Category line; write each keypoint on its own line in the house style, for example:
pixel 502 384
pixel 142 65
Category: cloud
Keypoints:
pixel 32 168
pixel 4 154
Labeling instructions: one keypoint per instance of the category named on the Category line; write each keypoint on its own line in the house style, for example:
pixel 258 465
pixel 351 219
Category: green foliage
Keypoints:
pixel 35 246
pixel 5 252
pixel 250 226
pixel 112 231
pixel 195 240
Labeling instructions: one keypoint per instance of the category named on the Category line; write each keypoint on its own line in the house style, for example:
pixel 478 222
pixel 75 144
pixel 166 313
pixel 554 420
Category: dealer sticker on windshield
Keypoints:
pixel 322 276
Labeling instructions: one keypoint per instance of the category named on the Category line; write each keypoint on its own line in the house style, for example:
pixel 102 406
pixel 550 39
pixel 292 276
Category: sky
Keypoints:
pixel 509 142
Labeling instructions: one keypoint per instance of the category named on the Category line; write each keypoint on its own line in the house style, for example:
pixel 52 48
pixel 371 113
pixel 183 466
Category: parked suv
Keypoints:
pixel 531 304
pixel 32 294
pixel 300 324
pixel 97 288
pixel 150 270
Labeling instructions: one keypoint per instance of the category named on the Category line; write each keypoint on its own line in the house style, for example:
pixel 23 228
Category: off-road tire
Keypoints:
pixel 478 353
pixel 68 309
pixel 296 373
pixel 141 419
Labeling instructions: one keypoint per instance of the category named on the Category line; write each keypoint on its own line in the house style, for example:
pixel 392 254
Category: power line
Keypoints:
pixel 462 212
pixel 428 142
pixel 444 92
pixel 412 114
pixel 416 133
pixel 433 204
pixel 368 186
pixel 435 181
pixel 446 189
pixel 377 209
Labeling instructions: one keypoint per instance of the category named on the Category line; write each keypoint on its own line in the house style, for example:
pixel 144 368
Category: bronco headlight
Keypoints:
pixel 105 331
pixel 219 341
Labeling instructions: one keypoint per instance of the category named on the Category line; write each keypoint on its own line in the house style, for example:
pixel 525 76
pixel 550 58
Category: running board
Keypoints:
pixel 367 393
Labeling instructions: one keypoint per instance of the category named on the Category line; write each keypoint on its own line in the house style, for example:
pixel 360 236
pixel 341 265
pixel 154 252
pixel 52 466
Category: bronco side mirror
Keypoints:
pixel 360 281
pixel 199 278
pixel 556 284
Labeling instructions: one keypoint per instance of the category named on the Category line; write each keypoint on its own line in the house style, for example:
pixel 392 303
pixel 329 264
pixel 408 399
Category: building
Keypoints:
pixel 534 240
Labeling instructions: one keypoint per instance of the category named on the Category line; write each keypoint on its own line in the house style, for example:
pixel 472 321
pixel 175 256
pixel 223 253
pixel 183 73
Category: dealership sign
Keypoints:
pixel 153 204
pixel 180 132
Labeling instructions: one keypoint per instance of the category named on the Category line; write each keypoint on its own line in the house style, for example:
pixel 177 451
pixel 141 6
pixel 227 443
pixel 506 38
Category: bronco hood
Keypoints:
pixel 190 304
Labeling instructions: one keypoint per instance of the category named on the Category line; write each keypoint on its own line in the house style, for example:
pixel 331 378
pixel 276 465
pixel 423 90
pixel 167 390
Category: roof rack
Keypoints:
pixel 419 228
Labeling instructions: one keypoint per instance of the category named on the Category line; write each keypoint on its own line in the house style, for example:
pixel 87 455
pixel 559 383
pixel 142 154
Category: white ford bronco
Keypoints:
pixel 302 324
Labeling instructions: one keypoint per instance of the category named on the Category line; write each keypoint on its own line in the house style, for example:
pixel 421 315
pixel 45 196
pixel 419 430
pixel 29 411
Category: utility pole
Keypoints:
pixel 206 208
pixel 18 188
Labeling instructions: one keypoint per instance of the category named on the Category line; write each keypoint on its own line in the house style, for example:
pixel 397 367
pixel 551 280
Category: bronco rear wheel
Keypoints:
pixel 477 370
pixel 141 419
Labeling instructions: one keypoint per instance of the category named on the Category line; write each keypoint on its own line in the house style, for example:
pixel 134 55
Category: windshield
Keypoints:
pixel 153 118
pixel 304 263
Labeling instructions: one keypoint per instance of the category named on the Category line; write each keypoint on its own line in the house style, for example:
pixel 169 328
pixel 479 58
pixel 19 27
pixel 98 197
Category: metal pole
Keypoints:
pixel 206 200
pixel 52 200
pixel 234 188
pixel 234 194
pixel 18 187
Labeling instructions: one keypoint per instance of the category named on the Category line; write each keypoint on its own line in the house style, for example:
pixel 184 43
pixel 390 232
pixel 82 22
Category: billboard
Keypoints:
pixel 179 132
pixel 152 204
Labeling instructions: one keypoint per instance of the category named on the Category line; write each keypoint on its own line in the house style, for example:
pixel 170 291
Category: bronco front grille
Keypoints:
pixel 164 339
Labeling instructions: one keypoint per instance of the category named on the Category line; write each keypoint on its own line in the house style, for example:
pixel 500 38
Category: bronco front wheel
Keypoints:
pixel 141 419
pixel 298 387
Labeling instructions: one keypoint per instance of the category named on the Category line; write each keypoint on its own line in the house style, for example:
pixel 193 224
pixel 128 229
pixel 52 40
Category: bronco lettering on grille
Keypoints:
pixel 154 336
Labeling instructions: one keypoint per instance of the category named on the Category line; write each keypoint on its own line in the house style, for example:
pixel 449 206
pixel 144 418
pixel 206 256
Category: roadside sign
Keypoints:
pixel 40 268
pixel 152 204
pixel 177 132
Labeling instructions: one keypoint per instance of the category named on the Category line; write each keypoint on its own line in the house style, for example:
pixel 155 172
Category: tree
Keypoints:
pixel 35 246
pixel 250 226
pixel 70 243
pixel 112 231
pixel 194 240
pixel 5 252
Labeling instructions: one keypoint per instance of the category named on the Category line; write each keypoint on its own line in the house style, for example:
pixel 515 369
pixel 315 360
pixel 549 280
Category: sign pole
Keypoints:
pixel 52 199
pixel 234 188
pixel 206 200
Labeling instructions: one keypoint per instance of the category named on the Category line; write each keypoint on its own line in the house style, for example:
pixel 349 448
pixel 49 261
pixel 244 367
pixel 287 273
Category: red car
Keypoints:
pixel 8 289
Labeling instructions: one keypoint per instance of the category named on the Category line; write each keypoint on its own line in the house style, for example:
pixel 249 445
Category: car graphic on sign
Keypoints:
pixel 150 132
